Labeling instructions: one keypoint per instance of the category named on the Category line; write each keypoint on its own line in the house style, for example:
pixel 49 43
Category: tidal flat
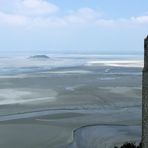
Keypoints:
pixel 82 103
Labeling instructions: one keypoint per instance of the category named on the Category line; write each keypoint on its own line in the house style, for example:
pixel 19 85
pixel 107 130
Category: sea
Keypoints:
pixel 14 64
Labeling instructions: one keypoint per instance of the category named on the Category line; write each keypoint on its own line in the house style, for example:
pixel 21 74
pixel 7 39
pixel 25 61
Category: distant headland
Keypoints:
pixel 39 57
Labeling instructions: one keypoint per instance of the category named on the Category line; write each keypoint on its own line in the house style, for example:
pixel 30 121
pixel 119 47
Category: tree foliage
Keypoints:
pixel 130 145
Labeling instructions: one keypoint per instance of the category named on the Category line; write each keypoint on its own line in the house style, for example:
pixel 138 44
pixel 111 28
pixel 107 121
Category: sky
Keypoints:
pixel 73 26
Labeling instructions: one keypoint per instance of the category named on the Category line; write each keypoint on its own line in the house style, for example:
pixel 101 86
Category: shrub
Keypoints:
pixel 130 145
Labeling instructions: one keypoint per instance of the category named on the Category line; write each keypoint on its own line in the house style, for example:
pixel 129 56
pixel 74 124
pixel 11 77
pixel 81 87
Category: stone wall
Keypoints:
pixel 145 97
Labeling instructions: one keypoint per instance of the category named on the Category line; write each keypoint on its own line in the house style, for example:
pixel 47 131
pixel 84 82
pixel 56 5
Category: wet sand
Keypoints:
pixel 64 128
pixel 64 107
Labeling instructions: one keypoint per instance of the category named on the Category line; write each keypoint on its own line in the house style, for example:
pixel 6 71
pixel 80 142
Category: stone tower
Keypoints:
pixel 145 97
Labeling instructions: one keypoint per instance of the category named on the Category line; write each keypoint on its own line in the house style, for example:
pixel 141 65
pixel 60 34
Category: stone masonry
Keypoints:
pixel 145 97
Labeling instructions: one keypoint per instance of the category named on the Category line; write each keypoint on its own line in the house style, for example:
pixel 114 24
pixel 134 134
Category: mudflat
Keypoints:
pixel 65 107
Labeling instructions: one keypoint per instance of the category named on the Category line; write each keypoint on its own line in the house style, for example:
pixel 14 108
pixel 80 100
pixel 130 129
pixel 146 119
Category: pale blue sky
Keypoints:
pixel 73 26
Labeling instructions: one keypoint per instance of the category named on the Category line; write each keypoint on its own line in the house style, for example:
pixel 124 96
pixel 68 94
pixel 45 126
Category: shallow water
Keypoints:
pixel 65 93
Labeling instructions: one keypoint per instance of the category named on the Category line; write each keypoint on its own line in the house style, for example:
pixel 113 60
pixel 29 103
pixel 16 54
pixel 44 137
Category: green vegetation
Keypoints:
pixel 130 145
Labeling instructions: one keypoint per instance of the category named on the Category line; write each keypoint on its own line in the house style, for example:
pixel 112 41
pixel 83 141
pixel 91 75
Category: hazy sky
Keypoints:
pixel 73 26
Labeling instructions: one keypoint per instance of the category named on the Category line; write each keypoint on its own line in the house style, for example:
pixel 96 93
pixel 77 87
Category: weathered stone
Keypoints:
pixel 145 97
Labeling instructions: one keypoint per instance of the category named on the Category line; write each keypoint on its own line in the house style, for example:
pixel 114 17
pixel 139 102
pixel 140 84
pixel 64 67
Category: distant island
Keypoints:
pixel 40 57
